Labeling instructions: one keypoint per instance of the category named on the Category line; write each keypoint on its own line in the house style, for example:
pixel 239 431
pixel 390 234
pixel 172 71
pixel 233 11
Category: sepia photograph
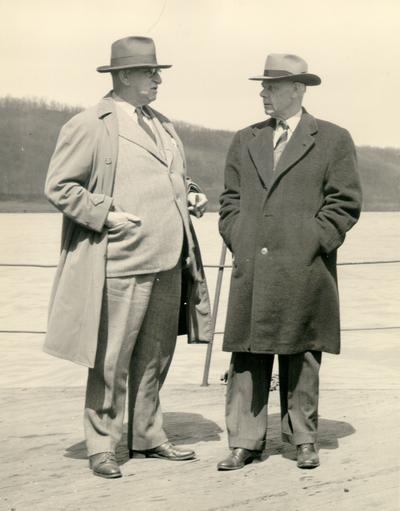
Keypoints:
pixel 200 255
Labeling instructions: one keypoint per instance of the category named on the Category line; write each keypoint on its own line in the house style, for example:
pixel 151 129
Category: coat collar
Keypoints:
pixel 106 110
pixel 105 106
pixel 261 147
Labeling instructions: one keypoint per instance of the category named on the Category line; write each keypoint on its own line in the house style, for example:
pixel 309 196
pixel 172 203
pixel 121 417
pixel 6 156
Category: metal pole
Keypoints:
pixel 217 294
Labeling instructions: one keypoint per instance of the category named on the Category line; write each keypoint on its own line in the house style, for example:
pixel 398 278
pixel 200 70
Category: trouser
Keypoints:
pixel 248 391
pixel 137 337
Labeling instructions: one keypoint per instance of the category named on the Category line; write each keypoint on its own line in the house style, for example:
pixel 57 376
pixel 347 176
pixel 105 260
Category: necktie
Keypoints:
pixel 142 123
pixel 281 142
pixel 284 135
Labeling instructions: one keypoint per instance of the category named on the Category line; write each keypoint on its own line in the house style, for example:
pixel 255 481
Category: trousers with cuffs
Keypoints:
pixel 137 340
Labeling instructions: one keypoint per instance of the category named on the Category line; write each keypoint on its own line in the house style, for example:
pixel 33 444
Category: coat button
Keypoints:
pixel 264 251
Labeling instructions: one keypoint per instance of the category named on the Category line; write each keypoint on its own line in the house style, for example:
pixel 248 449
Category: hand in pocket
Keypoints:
pixel 118 218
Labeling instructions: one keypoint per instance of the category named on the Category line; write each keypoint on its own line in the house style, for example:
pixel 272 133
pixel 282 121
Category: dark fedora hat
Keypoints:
pixel 284 66
pixel 131 52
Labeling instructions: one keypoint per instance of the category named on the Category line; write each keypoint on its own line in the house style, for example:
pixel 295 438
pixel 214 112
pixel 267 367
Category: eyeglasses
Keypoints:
pixel 151 71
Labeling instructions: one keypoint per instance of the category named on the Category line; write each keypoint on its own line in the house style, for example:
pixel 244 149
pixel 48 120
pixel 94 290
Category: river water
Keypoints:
pixel 369 294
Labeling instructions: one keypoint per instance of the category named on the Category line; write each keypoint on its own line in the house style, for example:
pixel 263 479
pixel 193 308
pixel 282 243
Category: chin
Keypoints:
pixel 149 99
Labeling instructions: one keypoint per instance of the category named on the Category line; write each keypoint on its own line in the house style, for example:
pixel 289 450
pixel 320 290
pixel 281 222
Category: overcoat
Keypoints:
pixel 283 227
pixel 80 185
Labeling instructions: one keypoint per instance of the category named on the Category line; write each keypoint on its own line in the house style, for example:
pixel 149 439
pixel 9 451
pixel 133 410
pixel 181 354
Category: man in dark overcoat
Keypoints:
pixel 130 275
pixel 292 191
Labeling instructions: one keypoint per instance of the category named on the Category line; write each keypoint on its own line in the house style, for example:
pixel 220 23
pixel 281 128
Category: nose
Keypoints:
pixel 157 78
pixel 264 93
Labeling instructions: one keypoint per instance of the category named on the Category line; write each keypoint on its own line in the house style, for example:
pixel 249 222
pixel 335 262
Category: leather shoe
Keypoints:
pixel 165 451
pixel 105 465
pixel 307 456
pixel 238 458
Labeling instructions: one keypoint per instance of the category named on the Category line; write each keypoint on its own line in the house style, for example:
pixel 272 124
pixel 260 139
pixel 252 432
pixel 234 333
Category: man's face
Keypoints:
pixel 279 98
pixel 143 84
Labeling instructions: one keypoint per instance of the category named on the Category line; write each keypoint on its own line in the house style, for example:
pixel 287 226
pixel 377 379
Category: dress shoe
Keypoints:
pixel 238 458
pixel 307 456
pixel 105 465
pixel 165 451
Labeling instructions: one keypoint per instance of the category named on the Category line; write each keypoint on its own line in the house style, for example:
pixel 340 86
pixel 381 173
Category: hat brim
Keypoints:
pixel 306 78
pixel 108 69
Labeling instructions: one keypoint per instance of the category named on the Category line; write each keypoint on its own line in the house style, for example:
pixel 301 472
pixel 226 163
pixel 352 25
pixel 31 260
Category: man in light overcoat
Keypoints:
pixel 292 191
pixel 130 276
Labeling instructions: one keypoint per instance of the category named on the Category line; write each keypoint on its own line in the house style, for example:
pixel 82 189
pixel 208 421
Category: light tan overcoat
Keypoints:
pixel 80 184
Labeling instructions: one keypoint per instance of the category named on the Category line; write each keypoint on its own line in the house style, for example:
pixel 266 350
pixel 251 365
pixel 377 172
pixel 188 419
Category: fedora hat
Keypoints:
pixel 283 66
pixel 131 52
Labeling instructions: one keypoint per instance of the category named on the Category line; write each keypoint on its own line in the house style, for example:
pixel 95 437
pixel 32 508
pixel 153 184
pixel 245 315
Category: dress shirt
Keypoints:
pixel 292 122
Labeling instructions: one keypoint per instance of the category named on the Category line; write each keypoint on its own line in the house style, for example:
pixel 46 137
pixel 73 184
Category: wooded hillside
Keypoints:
pixel 29 129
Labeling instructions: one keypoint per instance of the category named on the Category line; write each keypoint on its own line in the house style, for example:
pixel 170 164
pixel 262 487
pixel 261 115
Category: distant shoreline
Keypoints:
pixel 41 206
pixel 28 206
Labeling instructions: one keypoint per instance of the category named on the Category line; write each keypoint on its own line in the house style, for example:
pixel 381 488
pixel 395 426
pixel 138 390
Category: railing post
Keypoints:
pixel 217 295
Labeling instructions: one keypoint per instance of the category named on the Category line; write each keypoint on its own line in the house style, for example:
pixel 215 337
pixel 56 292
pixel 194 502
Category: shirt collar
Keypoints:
pixel 128 108
pixel 294 120
pixel 124 105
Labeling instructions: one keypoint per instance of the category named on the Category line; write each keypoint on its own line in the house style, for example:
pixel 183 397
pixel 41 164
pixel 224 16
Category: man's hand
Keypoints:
pixel 115 218
pixel 197 204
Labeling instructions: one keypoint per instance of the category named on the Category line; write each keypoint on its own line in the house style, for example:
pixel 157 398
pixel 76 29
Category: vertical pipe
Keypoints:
pixel 217 294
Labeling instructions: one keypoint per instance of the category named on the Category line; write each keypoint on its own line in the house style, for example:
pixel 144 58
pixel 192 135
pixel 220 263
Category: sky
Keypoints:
pixel 50 49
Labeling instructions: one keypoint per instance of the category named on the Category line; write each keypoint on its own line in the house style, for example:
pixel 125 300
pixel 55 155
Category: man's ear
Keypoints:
pixel 300 88
pixel 123 76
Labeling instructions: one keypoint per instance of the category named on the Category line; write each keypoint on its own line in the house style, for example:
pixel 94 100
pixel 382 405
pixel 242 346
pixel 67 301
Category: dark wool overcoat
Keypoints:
pixel 283 227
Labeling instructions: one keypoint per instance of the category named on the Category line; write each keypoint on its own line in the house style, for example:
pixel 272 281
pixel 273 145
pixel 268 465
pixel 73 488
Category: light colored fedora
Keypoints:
pixel 284 66
pixel 131 52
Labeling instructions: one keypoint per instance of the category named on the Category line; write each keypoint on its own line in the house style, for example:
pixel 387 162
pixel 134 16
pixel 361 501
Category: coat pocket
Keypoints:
pixel 235 267
pixel 126 234
pixel 296 239
pixel 311 241
pixel 234 238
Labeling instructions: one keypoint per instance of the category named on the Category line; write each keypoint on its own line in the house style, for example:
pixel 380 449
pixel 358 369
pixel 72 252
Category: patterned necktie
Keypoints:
pixel 284 135
pixel 281 142
pixel 142 123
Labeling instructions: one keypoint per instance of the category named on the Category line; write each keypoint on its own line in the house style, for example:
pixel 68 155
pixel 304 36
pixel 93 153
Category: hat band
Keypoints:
pixel 274 73
pixel 133 60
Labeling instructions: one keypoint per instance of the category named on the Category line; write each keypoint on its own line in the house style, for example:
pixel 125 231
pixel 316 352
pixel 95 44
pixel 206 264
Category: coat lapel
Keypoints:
pixel 131 131
pixel 165 139
pixel 167 125
pixel 261 151
pixel 299 144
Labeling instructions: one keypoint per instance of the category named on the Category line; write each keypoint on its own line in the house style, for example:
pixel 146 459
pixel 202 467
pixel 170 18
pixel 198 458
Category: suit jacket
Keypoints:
pixel 150 183
pixel 284 228
pixel 80 184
